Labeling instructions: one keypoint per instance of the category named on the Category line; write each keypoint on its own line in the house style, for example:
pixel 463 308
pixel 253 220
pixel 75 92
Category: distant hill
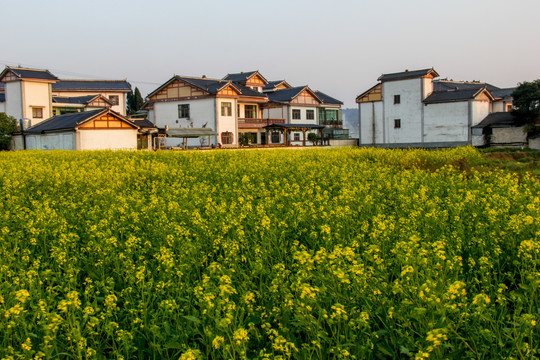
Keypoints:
pixel 350 121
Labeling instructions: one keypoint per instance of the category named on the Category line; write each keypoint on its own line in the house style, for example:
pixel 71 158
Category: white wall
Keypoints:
pixel 303 112
pixel 227 123
pixel 444 122
pixel 63 141
pixel 2 107
pixel 37 94
pixel 480 109
pixel 107 139
pixel 509 136
pixel 201 112
pixel 409 111
pixel 371 129
pixel 14 99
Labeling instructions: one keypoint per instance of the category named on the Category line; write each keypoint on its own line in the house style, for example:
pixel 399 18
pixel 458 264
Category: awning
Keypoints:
pixel 190 132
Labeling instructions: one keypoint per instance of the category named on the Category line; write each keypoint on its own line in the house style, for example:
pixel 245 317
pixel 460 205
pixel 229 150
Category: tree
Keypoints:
pixel 527 101
pixel 8 125
pixel 314 138
pixel 134 101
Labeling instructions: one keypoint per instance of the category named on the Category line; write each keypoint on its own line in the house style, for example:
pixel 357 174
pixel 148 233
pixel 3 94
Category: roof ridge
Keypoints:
pixel 91 80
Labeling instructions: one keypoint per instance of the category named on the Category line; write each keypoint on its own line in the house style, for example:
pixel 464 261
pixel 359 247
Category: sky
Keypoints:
pixel 339 47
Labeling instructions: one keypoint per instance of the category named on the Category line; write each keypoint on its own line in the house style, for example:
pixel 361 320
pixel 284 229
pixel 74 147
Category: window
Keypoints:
pixel 296 114
pixel 296 136
pixel 183 110
pixel 508 107
pixel 275 137
pixel 250 111
pixel 397 99
pixel 226 109
pixel 397 123
pixel 37 113
pixel 310 114
pixel 114 99
pixel 227 137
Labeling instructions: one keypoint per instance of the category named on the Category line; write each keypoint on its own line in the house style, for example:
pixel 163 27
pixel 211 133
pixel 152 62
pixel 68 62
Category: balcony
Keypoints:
pixel 335 124
pixel 255 123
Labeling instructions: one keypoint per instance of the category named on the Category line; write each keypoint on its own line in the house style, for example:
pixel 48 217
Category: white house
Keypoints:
pixel 415 109
pixel 89 130
pixel 222 110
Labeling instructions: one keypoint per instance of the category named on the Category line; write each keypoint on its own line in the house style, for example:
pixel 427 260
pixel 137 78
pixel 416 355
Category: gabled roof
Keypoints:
pixel 446 85
pixel 210 86
pixel 25 73
pixel 92 85
pixel 367 91
pixel 244 76
pixel 274 84
pixel 72 121
pixel 327 99
pixel 286 95
pixel 456 95
pixel 499 119
pixel 245 91
pixel 144 123
pixel 83 100
pixel 408 75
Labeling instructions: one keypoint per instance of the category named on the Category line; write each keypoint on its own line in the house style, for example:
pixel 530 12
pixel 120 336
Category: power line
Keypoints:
pixel 70 73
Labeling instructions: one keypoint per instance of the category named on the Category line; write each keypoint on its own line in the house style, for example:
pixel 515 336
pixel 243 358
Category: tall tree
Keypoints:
pixel 527 101
pixel 134 101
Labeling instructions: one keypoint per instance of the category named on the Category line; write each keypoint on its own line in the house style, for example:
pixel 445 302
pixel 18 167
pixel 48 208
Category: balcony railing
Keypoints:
pixel 254 123
pixel 331 123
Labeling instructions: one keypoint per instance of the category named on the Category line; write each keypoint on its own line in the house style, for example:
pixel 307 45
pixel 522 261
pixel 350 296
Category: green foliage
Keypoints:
pixel 8 125
pixel 527 101
pixel 135 101
pixel 245 139
pixel 313 138
pixel 312 254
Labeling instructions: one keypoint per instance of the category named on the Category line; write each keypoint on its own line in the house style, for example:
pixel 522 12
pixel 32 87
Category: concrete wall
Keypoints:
pixel 343 142
pixel 107 139
pixel 14 105
pixel 446 122
pixel 509 136
pixel 370 123
pixel 36 94
pixel 201 112
pixel 227 123
pixel 63 141
pixel 479 111
pixel 534 143
pixel 409 111
pixel 2 107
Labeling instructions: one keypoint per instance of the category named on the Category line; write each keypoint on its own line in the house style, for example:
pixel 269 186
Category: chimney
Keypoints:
pixel 204 76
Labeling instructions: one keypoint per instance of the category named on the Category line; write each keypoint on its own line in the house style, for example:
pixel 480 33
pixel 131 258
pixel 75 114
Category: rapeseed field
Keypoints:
pixel 270 254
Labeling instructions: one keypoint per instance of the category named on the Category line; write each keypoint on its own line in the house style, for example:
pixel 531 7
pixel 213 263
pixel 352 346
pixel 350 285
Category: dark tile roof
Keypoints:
pixel 83 100
pixel 498 119
pixel 239 77
pixel 272 84
pixel 211 86
pixel 446 85
pixel 407 75
pixel 247 91
pixel 285 94
pixel 2 97
pixel 92 85
pixel 450 96
pixel 144 123
pixel 24 73
pixel 65 122
pixel 502 93
pixel 327 99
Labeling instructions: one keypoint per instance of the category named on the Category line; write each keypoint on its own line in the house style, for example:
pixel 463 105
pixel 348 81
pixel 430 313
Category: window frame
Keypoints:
pixel 296 136
pixel 250 109
pixel 37 108
pixel 114 99
pixel 227 136
pixel 397 99
pixel 310 114
pixel 183 109
pixel 397 123
pixel 296 114
pixel 226 108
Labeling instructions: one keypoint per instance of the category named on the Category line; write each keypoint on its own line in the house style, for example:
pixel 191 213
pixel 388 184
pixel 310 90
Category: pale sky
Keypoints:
pixel 339 47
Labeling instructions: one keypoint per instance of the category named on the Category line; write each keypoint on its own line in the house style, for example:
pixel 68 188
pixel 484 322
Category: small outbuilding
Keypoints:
pixel 500 129
pixel 89 130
